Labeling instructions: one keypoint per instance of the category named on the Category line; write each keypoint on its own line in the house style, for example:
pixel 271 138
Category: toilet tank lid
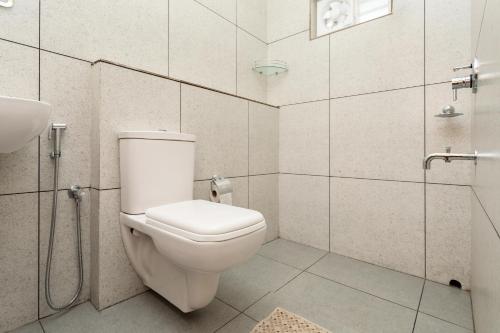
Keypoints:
pixel 157 135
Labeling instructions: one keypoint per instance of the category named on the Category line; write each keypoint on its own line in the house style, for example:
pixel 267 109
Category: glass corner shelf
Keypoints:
pixel 270 67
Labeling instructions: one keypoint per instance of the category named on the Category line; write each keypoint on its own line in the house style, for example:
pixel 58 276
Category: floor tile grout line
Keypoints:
pixel 300 273
pixel 249 316
pixel 361 291
pixel 226 303
pixel 418 307
pixel 227 322
pixel 257 301
pixel 41 325
pixel 124 300
pixel 280 262
pixel 288 282
pixel 472 313
pixel 344 256
pixel 446 321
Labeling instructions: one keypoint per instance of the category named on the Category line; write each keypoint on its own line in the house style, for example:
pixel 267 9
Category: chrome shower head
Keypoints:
pixel 448 112
pixel 55 135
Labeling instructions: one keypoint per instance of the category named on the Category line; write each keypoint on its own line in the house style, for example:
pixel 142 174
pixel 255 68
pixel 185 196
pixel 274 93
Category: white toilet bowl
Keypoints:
pixel 178 246
pixel 183 264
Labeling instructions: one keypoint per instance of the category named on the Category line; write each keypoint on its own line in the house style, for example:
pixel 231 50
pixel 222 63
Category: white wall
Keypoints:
pixel 486 212
pixel 46 50
pixel 357 118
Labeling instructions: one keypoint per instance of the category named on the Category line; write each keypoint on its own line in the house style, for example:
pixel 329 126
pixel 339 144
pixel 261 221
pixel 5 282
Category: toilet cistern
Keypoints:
pixel 448 156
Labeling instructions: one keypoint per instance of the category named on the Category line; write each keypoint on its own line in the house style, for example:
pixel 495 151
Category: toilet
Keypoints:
pixel 178 246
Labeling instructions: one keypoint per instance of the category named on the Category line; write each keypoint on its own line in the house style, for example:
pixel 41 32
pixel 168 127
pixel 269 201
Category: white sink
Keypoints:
pixel 21 120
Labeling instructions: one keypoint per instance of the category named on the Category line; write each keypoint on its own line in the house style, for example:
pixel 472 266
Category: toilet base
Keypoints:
pixel 188 290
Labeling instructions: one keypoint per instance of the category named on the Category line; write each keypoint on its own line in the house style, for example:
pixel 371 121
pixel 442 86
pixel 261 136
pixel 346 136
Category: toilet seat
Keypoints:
pixel 205 221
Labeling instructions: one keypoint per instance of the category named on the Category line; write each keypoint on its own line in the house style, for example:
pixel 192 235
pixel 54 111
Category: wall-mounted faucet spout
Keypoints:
pixel 448 157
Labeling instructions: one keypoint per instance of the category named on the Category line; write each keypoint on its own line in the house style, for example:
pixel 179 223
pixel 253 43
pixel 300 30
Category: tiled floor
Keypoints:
pixel 338 293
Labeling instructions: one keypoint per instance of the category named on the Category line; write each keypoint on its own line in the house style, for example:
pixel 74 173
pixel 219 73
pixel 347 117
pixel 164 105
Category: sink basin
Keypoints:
pixel 21 120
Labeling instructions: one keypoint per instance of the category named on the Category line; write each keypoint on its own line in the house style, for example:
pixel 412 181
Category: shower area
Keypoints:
pixel 365 132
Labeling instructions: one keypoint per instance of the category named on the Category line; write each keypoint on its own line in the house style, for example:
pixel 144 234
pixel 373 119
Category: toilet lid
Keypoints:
pixel 202 220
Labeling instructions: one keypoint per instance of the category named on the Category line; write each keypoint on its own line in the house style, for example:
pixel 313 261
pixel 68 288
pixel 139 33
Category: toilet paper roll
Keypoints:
pixel 221 190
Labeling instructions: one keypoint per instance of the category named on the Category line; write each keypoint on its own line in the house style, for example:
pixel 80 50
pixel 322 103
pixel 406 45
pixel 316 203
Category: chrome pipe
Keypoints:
pixel 448 157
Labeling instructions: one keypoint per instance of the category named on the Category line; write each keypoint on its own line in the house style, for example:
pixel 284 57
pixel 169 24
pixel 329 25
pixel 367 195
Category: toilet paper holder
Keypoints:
pixel 219 186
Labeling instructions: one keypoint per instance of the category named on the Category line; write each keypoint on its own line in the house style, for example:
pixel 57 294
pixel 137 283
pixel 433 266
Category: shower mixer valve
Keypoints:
pixel 76 192
pixel 469 81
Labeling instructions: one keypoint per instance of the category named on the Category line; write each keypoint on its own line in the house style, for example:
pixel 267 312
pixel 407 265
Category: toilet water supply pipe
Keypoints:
pixel 76 194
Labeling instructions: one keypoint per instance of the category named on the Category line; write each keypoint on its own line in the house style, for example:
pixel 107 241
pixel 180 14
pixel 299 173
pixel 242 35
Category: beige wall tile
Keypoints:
pixel 139 38
pixel 192 50
pixel 64 270
pixel 95 112
pixel 19 78
pixel 18 70
pixel 447 38
pixel 225 8
pixel 18 259
pixel 485 207
pixel 250 83
pixel 89 30
pixel 286 18
pixel 381 222
pixel 94 247
pixel 264 197
pixel 19 170
pixel 220 123
pixel 477 11
pixel 304 138
pixel 65 83
pixel 307 78
pixel 379 136
pixel 131 100
pixel 252 16
pixel 117 279
pixel 240 191
pixel 448 132
pixel 383 54
pixel 303 210
pixel 485 271
pixel 264 139
pixel 68 27
pixel 20 22
pixel 486 116
pixel 448 229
